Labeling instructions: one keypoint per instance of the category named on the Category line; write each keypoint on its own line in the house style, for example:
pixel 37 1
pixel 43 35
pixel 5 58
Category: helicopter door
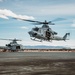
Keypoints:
pixel 48 35
pixel 17 47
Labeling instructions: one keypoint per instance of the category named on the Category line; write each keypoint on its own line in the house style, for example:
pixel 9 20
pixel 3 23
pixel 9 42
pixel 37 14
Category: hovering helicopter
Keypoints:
pixel 12 46
pixel 44 32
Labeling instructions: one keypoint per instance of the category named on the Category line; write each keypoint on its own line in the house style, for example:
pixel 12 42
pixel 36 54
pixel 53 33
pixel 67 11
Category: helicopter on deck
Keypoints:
pixel 45 32
pixel 12 46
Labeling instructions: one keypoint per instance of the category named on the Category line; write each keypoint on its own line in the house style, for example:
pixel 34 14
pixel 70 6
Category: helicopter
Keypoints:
pixel 45 32
pixel 13 46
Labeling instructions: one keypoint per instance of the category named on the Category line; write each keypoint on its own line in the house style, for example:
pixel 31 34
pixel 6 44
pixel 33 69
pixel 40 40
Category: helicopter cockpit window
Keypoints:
pixel 36 29
pixel 8 45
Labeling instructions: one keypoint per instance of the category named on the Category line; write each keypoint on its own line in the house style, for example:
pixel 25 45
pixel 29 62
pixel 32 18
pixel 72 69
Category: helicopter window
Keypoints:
pixel 17 47
pixel 36 29
pixel 8 45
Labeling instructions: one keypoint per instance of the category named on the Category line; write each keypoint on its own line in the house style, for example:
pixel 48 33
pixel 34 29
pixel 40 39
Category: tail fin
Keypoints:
pixel 65 36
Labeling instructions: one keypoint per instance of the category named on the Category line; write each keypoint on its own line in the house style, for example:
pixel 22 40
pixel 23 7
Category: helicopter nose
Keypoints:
pixel 32 33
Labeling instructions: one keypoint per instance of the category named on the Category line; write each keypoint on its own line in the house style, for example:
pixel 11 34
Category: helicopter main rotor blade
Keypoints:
pixel 38 22
pixel 30 20
pixel 45 22
pixel 50 23
pixel 5 39
pixel 26 20
pixel 55 20
pixel 11 39
pixel 16 40
pixel 58 19
pixel 35 22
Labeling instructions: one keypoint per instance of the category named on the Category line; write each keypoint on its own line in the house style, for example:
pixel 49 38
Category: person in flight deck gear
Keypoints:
pixel 48 34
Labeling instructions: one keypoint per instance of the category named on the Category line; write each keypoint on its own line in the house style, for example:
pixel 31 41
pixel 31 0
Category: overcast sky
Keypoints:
pixel 37 10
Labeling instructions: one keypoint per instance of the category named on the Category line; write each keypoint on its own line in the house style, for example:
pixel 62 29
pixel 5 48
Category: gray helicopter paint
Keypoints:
pixel 12 45
pixel 41 34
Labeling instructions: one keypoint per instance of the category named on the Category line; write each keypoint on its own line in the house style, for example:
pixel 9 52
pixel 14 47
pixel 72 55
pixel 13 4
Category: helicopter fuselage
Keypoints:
pixel 13 45
pixel 45 33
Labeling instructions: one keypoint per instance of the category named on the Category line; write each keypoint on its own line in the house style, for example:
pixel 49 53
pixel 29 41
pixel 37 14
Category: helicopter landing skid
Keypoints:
pixel 36 40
